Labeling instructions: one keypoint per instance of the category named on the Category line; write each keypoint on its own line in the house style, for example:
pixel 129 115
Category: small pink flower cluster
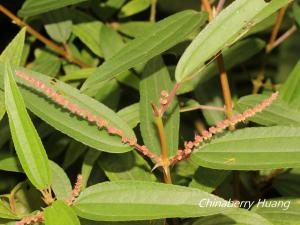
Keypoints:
pixel 76 190
pixel 31 220
pixel 221 126
pixel 74 108
pixel 163 98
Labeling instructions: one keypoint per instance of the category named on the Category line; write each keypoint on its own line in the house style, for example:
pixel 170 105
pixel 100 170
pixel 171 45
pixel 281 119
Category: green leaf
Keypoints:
pixel 58 24
pixel 105 10
pixel 290 90
pixel 279 211
pixel 126 166
pixel 60 184
pixel 8 162
pixel 288 183
pixel 111 42
pixel 134 28
pixel 252 149
pixel 237 217
pixel 2 105
pixel 66 122
pixel 13 52
pixel 131 114
pixel 155 79
pixel 73 152
pixel 59 213
pixel 296 13
pixel 134 7
pixel 46 62
pixel 28 145
pixel 230 25
pixel 207 179
pixel 90 34
pixel 158 38
pixel 233 56
pixel 279 113
pixel 33 7
pixel 128 200
pixel 87 165
pixel 5 211
pixel 141 222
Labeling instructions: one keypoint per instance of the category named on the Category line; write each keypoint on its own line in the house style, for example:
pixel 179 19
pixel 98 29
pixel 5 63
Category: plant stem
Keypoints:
pixel 202 107
pixel 206 6
pixel 153 10
pixel 164 149
pixel 223 74
pixel 40 37
pixel 276 27
pixel 225 87
pixel 220 6
pixel 283 37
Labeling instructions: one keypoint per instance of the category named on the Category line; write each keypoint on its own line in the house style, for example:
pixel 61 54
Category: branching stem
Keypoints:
pixel 40 37
pixel 276 27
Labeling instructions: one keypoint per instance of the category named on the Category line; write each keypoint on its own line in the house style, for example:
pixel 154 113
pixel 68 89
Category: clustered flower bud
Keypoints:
pixel 220 127
pixel 76 190
pixel 90 117
pixel 164 98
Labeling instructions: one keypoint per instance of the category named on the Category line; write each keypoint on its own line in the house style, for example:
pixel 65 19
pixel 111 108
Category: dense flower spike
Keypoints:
pixel 31 220
pixel 76 190
pixel 73 108
pixel 221 126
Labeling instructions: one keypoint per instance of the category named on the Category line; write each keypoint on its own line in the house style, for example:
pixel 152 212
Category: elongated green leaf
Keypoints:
pixel 87 165
pixel 133 7
pixel 233 56
pixel 111 42
pixel 237 217
pixel 279 211
pixel 33 7
pixel 230 25
pixel 46 62
pixel 60 185
pixel 2 105
pixel 134 28
pixel 90 34
pixel 155 79
pixel 58 25
pixel 59 213
pixel 142 222
pixel 290 91
pixel 156 39
pixel 131 114
pixel 8 162
pixel 207 179
pixel 252 149
pixel 127 166
pixel 279 113
pixel 28 145
pixel 69 124
pixel 124 201
pixel 296 12
pixel 13 52
pixel 5 211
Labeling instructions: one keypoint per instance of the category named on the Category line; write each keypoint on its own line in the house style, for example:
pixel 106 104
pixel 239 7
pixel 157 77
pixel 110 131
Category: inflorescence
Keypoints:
pixel 89 116
pixel 220 127
pixel 39 217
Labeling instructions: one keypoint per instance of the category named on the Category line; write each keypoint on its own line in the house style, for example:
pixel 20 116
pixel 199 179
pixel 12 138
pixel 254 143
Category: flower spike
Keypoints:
pixel 90 117
pixel 221 126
